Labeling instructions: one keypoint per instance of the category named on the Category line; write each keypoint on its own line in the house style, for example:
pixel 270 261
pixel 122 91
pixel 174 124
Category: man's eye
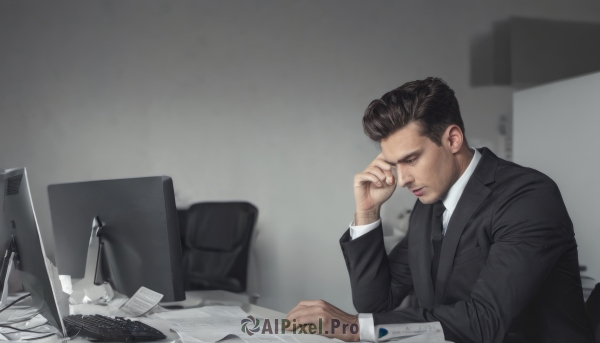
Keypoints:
pixel 409 161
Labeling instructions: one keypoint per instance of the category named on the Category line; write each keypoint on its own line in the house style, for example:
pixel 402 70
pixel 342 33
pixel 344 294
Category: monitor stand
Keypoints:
pixel 10 264
pixel 92 289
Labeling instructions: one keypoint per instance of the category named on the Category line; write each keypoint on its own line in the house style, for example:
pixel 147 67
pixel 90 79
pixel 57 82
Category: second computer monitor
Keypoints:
pixel 140 236
pixel 20 242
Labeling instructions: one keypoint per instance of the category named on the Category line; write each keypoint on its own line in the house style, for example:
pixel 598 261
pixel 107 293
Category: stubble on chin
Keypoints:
pixel 429 200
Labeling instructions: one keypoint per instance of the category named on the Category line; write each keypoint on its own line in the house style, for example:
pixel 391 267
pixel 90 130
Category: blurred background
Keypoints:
pixel 262 101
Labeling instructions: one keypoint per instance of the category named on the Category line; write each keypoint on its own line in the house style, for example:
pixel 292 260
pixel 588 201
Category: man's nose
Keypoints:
pixel 404 177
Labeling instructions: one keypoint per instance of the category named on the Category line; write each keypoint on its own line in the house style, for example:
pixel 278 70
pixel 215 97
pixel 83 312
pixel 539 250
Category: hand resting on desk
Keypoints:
pixel 335 322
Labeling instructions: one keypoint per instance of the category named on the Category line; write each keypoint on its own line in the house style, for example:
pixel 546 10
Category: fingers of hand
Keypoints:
pixel 374 176
pixel 389 177
pixel 309 318
pixel 363 178
pixel 385 176
pixel 307 307
pixel 385 168
pixel 319 312
pixel 312 302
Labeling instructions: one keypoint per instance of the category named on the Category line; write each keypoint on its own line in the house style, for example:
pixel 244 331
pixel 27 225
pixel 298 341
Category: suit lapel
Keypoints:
pixel 473 195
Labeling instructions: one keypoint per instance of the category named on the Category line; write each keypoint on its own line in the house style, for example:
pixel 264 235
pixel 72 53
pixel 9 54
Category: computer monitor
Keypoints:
pixel 19 234
pixel 140 241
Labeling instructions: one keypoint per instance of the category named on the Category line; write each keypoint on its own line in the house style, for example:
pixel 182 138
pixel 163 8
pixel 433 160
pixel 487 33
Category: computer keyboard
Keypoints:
pixel 99 328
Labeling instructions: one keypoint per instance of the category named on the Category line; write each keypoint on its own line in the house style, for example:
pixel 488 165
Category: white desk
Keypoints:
pixel 207 298
pixel 200 298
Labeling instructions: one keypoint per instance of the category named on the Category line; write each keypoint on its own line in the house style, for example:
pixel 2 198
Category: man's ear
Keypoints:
pixel 454 138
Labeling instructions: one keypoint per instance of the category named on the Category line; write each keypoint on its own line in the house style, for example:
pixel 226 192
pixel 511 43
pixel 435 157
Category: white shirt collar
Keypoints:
pixel 451 198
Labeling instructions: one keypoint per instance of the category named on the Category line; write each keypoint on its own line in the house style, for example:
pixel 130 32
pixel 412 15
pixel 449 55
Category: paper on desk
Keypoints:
pixel 430 332
pixel 109 309
pixel 121 305
pixel 21 311
pixel 118 302
pixel 214 323
pixel 15 314
pixel 271 339
pixel 38 324
pixel 206 324
pixel 48 339
pixel 198 315
pixel 36 321
pixel 202 334
pixel 142 301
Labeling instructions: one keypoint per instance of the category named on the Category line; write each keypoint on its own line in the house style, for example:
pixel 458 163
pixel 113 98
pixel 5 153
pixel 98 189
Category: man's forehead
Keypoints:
pixel 402 143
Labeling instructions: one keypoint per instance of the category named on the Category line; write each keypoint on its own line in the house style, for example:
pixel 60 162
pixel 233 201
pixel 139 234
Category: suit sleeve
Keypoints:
pixel 530 230
pixel 379 282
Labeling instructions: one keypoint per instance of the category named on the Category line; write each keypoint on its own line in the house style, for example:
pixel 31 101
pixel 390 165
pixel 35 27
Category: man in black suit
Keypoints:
pixel 490 251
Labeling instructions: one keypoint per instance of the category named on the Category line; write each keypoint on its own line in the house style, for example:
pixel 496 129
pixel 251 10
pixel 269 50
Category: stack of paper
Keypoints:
pixel 213 323
pixel 144 301
pixel 38 325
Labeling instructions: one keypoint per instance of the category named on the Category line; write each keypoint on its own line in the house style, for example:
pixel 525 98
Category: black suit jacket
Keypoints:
pixel 508 267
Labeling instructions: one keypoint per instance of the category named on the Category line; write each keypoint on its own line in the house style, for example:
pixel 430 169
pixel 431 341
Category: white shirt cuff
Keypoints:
pixel 357 231
pixel 367 327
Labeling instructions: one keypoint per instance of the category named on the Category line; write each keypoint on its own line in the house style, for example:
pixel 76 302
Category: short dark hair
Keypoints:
pixel 429 102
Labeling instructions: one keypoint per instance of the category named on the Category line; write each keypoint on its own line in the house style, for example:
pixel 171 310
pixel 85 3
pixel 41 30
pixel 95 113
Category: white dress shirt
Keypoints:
pixel 450 200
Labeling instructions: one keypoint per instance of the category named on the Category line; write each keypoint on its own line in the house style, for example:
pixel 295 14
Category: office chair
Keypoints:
pixel 216 245
pixel 592 310
pixel 182 218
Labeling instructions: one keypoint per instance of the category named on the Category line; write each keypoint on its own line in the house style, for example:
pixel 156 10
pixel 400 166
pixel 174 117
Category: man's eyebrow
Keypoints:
pixel 406 157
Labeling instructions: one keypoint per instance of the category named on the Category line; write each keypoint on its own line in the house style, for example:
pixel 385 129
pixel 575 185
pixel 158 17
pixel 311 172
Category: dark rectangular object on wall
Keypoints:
pixel 545 50
pixel 525 52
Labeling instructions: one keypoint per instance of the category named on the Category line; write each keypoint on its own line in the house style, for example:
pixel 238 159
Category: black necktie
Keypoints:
pixel 436 237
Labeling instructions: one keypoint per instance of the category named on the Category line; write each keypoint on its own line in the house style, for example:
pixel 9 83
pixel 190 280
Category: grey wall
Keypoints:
pixel 255 100
pixel 556 132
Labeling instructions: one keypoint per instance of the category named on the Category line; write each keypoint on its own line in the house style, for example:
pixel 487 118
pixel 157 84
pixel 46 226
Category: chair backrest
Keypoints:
pixel 216 245
pixel 592 310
